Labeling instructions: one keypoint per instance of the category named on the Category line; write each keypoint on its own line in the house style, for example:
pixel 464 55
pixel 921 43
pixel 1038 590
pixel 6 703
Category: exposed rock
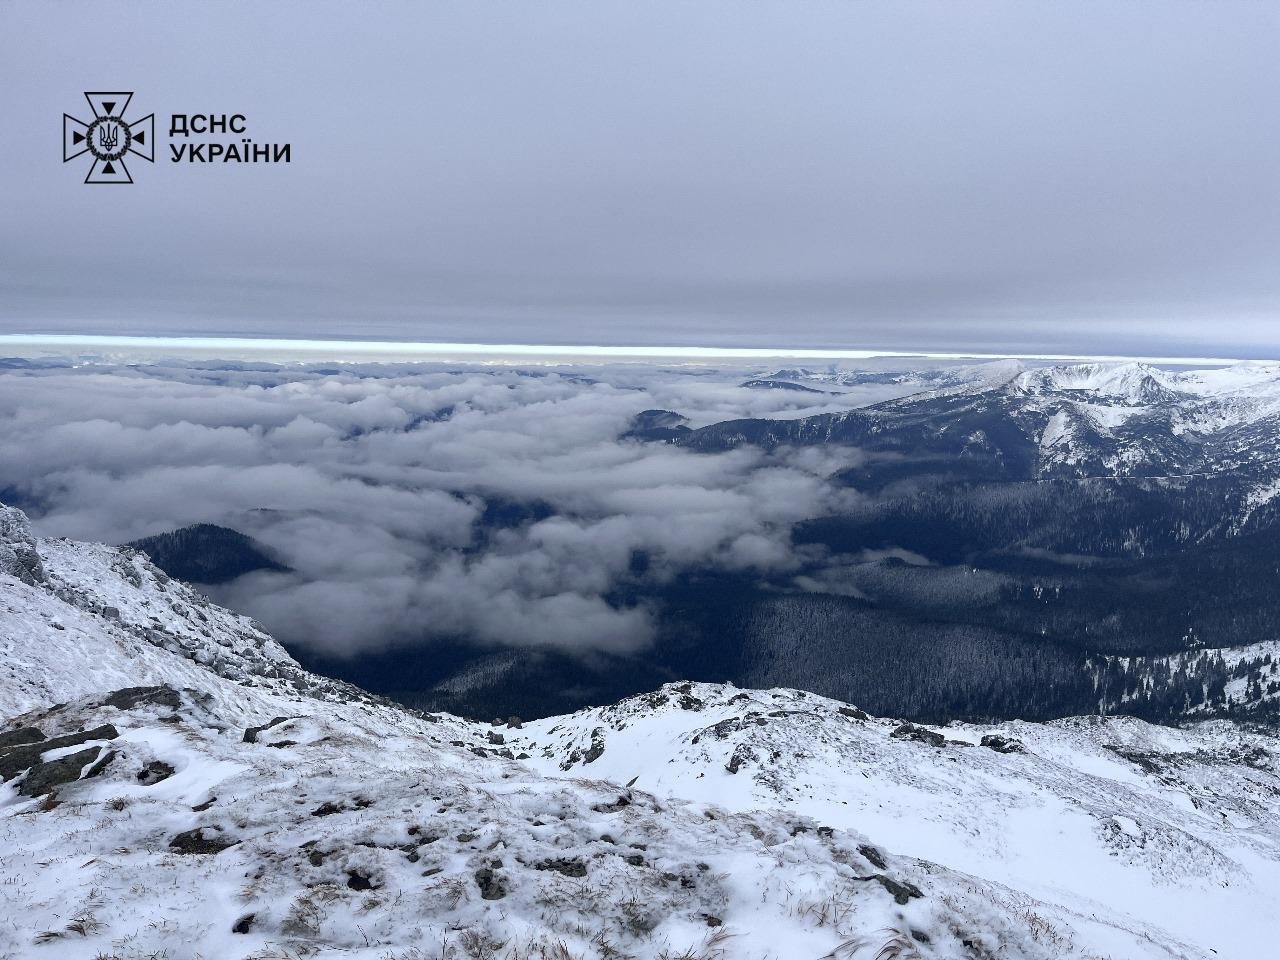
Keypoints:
pixel 568 867
pixel 130 697
pixel 44 777
pixel 999 744
pixel 360 881
pixel 909 731
pixel 251 734
pixel 873 856
pixel 596 750
pixel 902 893
pixel 491 884
pixel 853 713
pixel 154 772
pixel 740 756
pixel 201 840
pixel 18 737
pixel 18 555
pixel 20 758
pixel 619 804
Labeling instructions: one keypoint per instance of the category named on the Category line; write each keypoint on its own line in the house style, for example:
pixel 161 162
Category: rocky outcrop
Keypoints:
pixel 909 731
pixel 28 756
pixel 18 555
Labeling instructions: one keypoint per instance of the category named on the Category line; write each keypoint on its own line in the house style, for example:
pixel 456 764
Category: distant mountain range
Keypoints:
pixel 1000 421
pixel 1026 543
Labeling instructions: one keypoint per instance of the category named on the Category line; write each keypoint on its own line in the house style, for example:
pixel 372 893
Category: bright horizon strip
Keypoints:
pixel 408 349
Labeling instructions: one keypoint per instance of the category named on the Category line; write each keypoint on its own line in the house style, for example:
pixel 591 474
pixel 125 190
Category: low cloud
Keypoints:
pixel 370 483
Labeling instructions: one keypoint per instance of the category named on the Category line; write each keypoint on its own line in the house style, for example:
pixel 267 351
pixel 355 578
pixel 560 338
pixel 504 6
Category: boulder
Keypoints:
pixel 909 731
pixel 16 759
pixel 154 772
pixel 1000 744
pixel 251 734
pixel 45 777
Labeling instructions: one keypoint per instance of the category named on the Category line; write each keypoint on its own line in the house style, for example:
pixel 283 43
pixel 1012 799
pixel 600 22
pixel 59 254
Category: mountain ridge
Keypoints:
pixel 237 805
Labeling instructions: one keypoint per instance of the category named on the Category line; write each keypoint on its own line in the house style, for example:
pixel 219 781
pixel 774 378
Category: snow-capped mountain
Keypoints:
pixel 176 785
pixel 1093 419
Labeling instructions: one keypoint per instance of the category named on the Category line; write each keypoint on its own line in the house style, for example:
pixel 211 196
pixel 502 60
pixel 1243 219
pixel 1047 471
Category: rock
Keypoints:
pixel 251 734
pixel 596 751
pixel 201 840
pixel 496 738
pixel 130 697
pixel 359 881
pixel 44 777
pixel 568 867
pixel 740 756
pixel 18 737
pixel 18 555
pixel 16 759
pixel 873 856
pixel 110 613
pixel 154 772
pixel 514 723
pixel 909 731
pixel 853 713
pixel 491 884
pixel 623 801
pixel 902 893
pixel 999 744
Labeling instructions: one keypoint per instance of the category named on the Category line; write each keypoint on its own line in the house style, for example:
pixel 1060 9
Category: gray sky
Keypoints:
pixel 1083 177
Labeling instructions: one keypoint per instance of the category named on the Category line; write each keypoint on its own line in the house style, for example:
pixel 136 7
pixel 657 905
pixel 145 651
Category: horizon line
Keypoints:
pixel 405 349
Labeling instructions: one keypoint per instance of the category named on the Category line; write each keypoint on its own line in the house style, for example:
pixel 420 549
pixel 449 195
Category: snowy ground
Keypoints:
pixel 1170 835
pixel 354 828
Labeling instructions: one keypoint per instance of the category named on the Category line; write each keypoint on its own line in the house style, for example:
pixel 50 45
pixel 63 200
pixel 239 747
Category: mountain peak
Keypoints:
pixel 1130 382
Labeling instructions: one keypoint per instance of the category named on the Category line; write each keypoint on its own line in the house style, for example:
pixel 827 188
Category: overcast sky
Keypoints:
pixel 1082 177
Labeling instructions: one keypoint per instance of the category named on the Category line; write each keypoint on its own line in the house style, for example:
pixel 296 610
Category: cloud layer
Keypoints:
pixel 414 502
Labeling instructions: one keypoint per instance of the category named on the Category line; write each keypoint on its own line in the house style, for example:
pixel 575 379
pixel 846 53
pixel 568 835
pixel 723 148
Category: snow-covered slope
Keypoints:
pixel 1171 835
pixel 226 803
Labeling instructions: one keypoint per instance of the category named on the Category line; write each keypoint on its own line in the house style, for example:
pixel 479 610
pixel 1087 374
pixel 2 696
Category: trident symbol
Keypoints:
pixel 109 133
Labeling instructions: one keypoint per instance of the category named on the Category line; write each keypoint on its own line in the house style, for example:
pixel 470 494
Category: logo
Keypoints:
pixel 108 138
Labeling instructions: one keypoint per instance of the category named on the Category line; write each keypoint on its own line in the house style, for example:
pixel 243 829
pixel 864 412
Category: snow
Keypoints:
pixel 1192 860
pixel 361 829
